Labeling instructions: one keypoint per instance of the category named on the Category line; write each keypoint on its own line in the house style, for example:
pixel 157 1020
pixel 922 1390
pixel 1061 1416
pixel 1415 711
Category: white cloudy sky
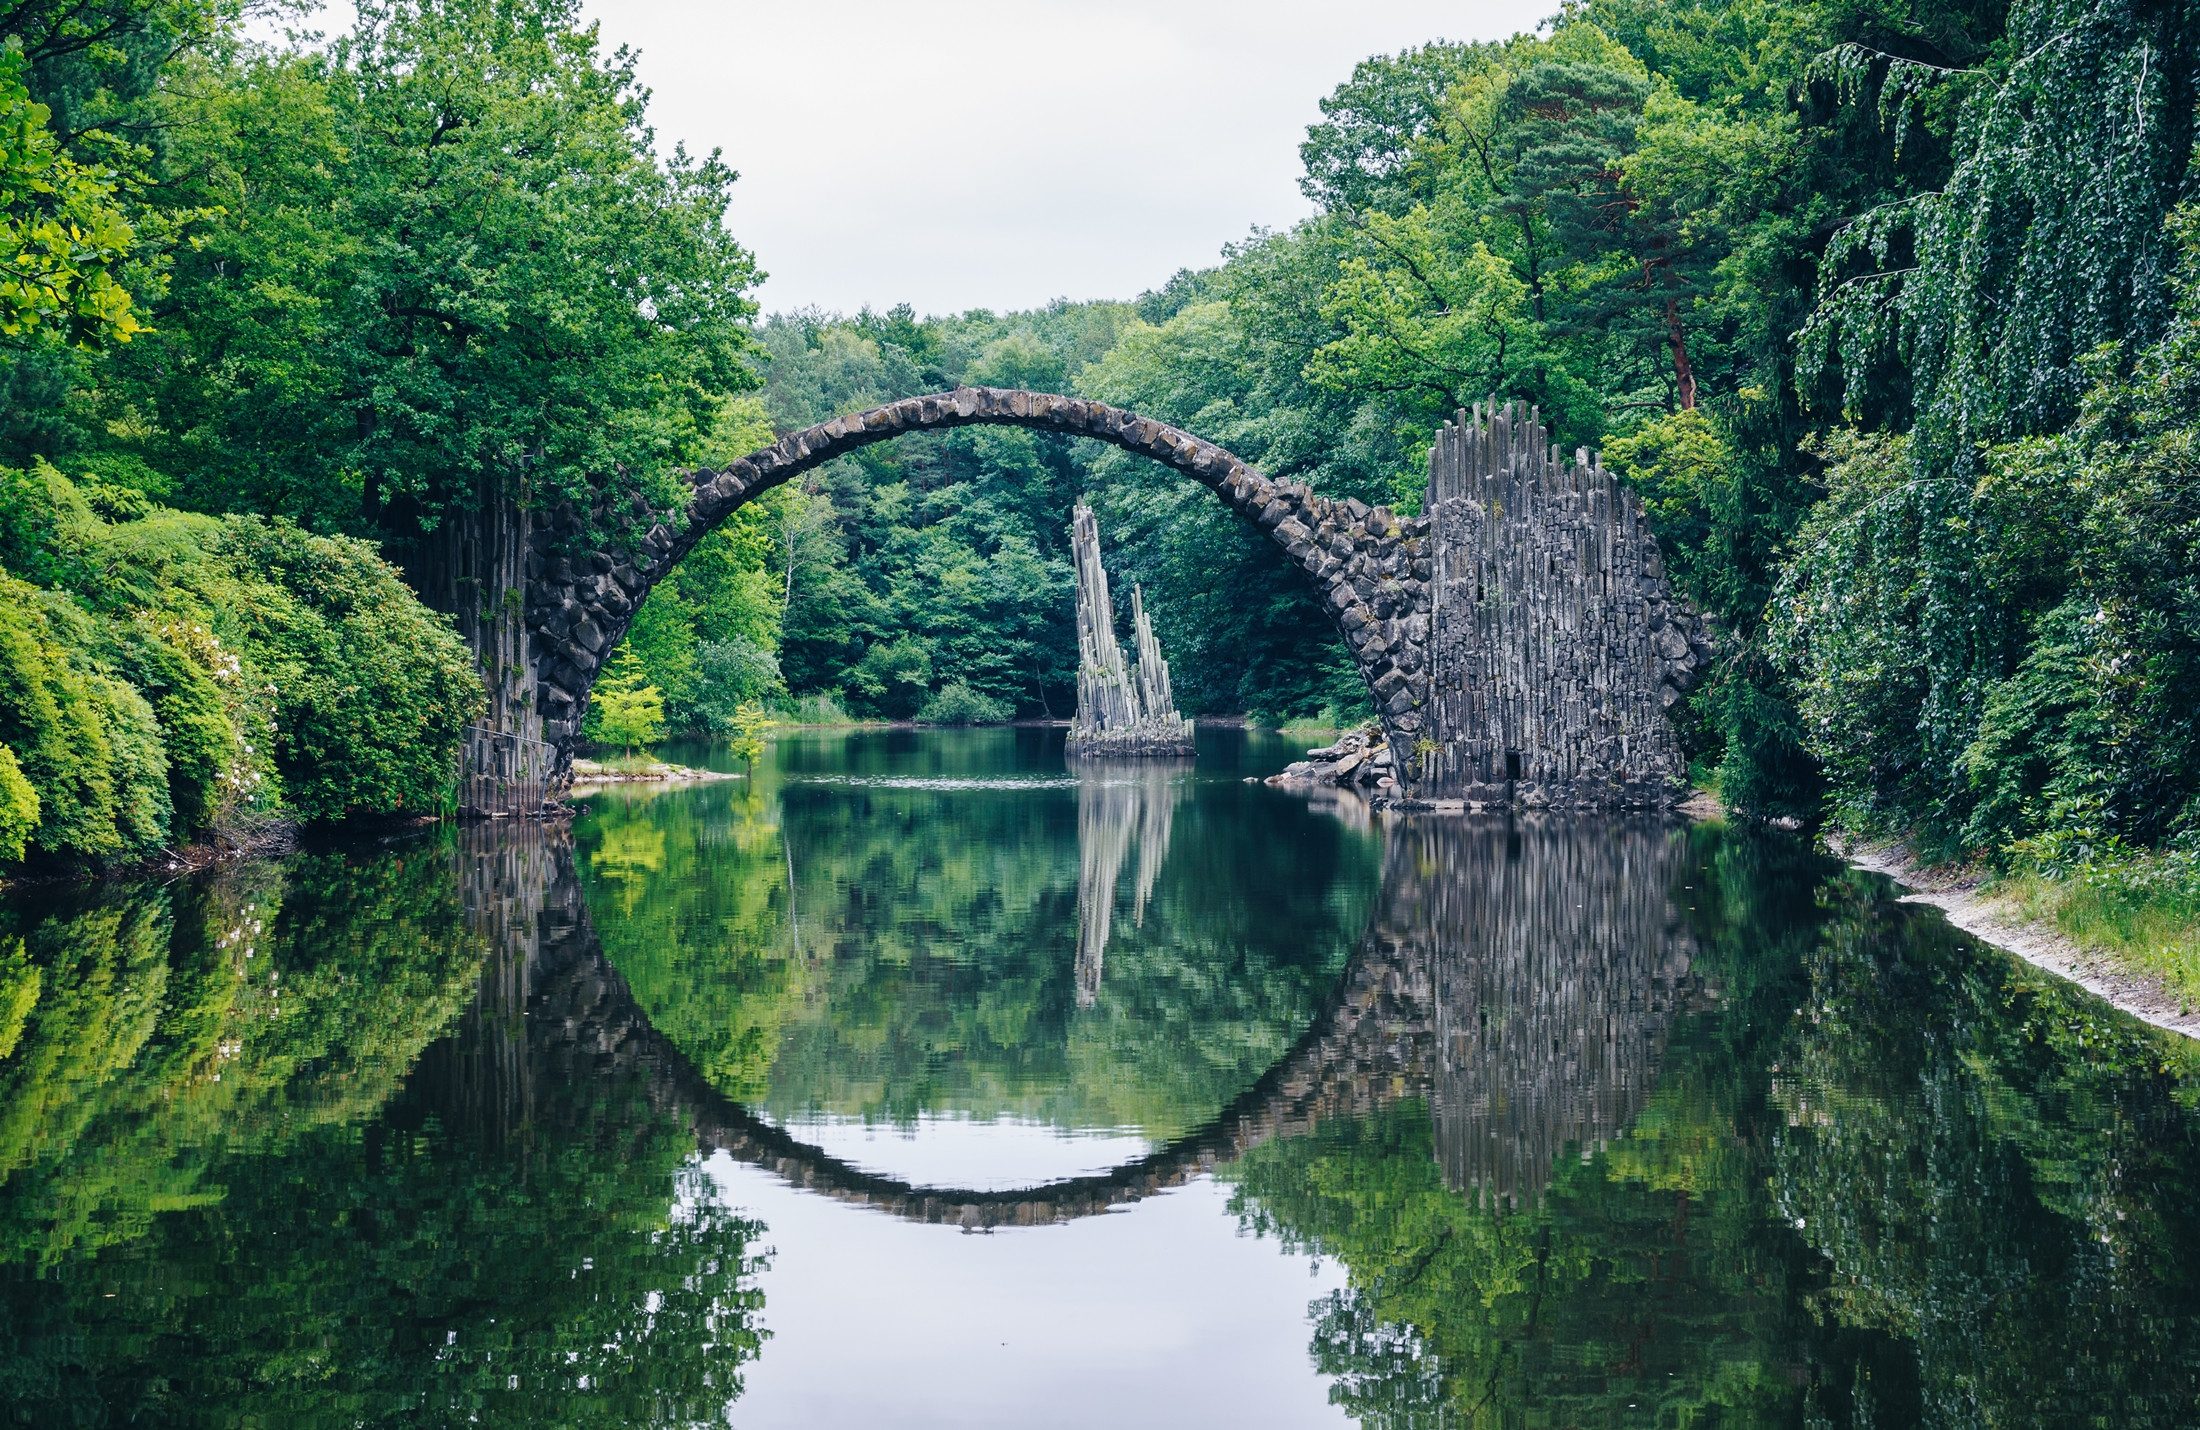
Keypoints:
pixel 998 153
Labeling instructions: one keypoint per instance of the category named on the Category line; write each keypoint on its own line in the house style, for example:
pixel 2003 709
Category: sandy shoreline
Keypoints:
pixel 1981 915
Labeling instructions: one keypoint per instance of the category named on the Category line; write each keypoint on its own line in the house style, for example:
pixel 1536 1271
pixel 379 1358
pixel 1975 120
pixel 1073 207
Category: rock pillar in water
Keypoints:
pixel 1122 710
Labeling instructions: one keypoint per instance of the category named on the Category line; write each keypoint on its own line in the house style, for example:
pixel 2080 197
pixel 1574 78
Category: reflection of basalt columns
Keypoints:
pixel 1110 810
pixel 1558 962
pixel 1120 711
pixel 516 881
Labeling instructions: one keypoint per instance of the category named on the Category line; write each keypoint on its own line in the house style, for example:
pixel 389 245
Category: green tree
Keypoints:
pixel 750 725
pixel 64 234
pixel 18 809
pixel 626 709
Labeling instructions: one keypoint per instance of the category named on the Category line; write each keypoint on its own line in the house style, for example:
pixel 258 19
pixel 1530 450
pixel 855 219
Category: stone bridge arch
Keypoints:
pixel 1370 568
pixel 1519 639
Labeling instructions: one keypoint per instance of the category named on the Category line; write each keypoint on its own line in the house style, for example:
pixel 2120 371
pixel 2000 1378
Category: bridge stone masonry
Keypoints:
pixel 1519 642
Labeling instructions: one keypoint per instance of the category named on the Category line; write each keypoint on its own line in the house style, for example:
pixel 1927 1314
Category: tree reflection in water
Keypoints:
pixel 1608 1123
pixel 248 1198
pixel 1717 1134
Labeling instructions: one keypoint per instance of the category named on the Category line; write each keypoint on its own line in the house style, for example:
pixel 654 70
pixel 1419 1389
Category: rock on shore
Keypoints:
pixel 1359 760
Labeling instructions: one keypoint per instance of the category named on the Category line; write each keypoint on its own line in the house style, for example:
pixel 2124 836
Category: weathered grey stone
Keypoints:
pixel 1124 709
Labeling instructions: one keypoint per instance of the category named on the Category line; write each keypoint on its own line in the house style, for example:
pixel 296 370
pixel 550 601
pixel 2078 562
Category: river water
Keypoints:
pixel 923 1080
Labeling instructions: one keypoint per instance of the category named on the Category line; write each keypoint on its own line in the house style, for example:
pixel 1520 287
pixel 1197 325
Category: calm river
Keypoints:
pixel 924 1081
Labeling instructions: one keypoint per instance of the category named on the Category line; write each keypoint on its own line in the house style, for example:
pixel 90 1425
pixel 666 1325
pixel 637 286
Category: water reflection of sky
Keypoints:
pixel 1160 1313
pixel 970 1153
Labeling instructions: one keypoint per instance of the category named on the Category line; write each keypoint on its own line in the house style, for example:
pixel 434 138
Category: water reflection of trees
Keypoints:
pixel 937 967
pixel 1881 1179
pixel 1885 1178
pixel 235 1191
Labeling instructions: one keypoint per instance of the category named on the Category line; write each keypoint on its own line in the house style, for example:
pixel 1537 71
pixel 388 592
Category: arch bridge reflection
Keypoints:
pixel 1521 977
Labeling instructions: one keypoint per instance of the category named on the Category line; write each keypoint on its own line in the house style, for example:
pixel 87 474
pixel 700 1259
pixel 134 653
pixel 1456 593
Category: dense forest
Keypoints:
pixel 1888 309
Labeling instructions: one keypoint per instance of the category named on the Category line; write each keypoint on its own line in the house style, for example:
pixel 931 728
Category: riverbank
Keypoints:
pixel 2026 928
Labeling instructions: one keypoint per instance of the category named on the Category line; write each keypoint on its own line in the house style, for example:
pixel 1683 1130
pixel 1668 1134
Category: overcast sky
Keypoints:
pixel 998 153
pixel 958 154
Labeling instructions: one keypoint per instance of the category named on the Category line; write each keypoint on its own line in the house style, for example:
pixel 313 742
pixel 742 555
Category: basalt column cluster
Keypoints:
pixel 1122 710
pixel 1556 644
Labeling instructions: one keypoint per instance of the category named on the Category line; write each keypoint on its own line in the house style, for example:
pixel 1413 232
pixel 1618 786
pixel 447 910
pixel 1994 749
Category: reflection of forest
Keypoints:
pixel 259 1154
pixel 1518 978
pixel 1885 1179
pixel 937 969
pixel 259 1167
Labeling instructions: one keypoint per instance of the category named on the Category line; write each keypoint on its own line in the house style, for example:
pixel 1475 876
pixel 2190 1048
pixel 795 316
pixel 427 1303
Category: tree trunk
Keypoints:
pixel 1684 376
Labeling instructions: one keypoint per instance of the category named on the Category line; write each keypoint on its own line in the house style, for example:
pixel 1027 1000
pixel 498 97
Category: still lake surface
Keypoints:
pixel 923 1080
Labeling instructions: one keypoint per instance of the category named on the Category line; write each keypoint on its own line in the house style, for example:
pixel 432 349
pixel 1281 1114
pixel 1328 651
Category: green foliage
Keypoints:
pixel 2066 697
pixel 418 288
pixel 870 949
pixel 892 675
pixel 55 712
pixel 18 810
pixel 1698 234
pixel 626 710
pixel 957 704
pixel 218 1092
pixel 750 725
pixel 192 674
pixel 942 553
pixel 813 710
pixel 2141 908
pixel 63 233
pixel 372 690
pixel 730 676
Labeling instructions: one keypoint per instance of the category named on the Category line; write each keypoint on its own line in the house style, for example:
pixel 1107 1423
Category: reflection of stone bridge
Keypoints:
pixel 1521 978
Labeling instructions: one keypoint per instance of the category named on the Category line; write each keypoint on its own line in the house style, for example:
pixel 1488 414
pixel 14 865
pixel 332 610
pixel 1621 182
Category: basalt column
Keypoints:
pixel 1121 710
pixel 1556 644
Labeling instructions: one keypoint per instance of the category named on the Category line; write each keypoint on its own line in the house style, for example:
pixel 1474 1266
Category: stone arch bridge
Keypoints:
pixel 1518 639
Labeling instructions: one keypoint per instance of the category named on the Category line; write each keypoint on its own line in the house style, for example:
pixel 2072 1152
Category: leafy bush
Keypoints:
pixel 54 720
pixel 18 811
pixel 892 676
pixel 193 672
pixel 957 704
pixel 373 690
pixel 731 674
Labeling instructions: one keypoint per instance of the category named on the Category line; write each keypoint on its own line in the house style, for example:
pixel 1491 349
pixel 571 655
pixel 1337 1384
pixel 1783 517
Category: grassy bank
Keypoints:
pixel 2141 910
